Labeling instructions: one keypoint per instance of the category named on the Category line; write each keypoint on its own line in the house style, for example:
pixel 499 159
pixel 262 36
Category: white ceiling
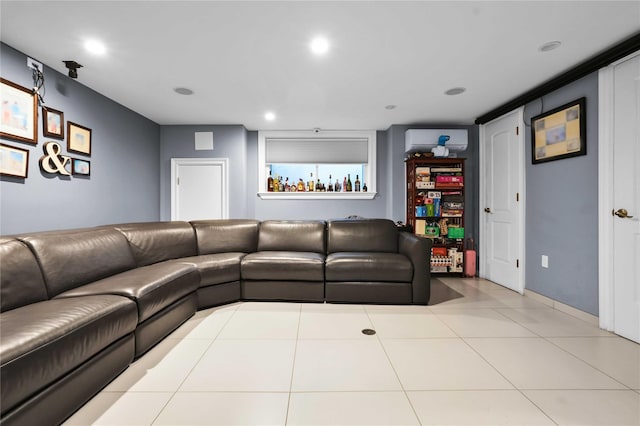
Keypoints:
pixel 244 58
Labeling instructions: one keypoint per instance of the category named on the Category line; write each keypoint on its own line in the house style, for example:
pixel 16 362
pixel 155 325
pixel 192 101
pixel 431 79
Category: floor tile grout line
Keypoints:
pixel 537 406
pixel 386 354
pixel 522 392
pixel 507 379
pixel 464 340
pixel 293 365
pixel 488 337
pixel 194 364
pixel 583 360
pixel 519 323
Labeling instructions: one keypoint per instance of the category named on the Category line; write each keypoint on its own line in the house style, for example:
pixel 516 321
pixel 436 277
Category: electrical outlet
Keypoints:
pixel 545 261
pixel 33 64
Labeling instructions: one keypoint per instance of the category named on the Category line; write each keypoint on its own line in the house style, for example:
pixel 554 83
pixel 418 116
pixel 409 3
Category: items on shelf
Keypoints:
pixel 277 183
pixel 435 208
pixel 456 260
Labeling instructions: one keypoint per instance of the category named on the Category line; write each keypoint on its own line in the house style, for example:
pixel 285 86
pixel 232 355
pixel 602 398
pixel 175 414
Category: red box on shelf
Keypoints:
pixel 449 179
pixel 438 251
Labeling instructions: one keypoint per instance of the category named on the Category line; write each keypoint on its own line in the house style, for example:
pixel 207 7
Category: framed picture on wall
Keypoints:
pixel 559 133
pixel 52 123
pixel 14 161
pixel 19 113
pixel 80 167
pixel 78 138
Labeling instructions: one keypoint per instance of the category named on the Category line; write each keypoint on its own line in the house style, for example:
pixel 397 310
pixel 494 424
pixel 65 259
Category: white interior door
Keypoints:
pixel 501 205
pixel 626 198
pixel 199 189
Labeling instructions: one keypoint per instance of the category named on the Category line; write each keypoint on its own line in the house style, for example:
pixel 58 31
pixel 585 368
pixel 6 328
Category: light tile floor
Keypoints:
pixel 478 355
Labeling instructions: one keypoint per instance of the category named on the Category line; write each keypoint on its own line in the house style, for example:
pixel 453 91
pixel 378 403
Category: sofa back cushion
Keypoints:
pixel 153 242
pixel 292 235
pixel 375 235
pixel 226 235
pixel 69 259
pixel 21 281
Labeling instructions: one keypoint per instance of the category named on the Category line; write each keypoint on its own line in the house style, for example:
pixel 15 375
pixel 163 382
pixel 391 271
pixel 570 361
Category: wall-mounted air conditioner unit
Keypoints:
pixel 422 140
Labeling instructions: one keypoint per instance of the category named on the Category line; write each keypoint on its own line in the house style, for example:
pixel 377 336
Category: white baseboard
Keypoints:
pixel 577 313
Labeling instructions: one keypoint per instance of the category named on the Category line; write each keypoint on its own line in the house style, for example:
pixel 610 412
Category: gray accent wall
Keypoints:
pixel 562 209
pixel 124 184
pixel 472 187
pixel 229 141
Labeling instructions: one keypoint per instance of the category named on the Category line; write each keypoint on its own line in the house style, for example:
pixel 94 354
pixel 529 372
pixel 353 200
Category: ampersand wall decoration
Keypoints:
pixel 52 161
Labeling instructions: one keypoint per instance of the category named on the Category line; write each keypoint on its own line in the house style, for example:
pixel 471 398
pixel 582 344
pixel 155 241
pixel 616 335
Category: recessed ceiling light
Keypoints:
pixel 319 45
pixel 269 116
pixel 183 91
pixel 96 47
pixel 550 46
pixel 390 107
pixel 455 91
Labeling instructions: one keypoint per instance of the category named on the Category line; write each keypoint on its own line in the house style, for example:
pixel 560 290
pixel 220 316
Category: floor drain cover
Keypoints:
pixel 368 332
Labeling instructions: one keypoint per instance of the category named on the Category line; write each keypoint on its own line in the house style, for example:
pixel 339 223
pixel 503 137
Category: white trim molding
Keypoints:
pixel 605 198
pixel 319 135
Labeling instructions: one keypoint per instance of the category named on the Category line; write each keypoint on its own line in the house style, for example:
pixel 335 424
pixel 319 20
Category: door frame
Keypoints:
pixel 223 162
pixel 483 234
pixel 606 288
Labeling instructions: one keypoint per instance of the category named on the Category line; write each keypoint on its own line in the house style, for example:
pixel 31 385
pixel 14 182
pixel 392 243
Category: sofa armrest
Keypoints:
pixel 418 250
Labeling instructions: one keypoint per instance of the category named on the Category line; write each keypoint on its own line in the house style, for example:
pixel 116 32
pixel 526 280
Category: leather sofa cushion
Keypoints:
pixel 152 287
pixel 21 281
pixel 365 266
pixel 292 235
pixel 41 342
pixel 283 265
pixel 376 235
pixel 155 242
pixel 226 235
pixel 216 268
pixel 70 259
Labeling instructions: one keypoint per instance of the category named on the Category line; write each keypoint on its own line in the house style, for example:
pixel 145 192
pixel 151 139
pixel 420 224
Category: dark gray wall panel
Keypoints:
pixel 562 209
pixel 124 181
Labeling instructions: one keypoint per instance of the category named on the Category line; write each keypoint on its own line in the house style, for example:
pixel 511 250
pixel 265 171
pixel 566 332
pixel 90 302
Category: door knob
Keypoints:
pixel 621 213
pixel 487 210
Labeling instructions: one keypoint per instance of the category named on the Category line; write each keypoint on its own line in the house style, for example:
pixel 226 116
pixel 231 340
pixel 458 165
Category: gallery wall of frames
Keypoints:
pixel 69 156
pixel 67 148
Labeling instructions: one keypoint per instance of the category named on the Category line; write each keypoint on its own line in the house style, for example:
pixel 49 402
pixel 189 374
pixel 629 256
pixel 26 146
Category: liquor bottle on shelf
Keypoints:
pixel 364 187
pixel 301 185
pixel 318 186
pixel 276 184
pixel 357 183
pixel 287 186
pixel 330 186
pixel 337 186
pixel 311 184
pixel 344 184
pixel 349 184
pixel 270 182
pixel 281 184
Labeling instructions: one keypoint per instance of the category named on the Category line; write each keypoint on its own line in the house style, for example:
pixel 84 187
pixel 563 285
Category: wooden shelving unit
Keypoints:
pixel 435 208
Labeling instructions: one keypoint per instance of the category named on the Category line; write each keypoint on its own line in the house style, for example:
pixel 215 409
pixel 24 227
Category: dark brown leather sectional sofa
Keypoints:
pixel 78 306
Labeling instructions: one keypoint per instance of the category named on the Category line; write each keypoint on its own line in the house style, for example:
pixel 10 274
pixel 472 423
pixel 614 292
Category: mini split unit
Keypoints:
pixel 423 140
